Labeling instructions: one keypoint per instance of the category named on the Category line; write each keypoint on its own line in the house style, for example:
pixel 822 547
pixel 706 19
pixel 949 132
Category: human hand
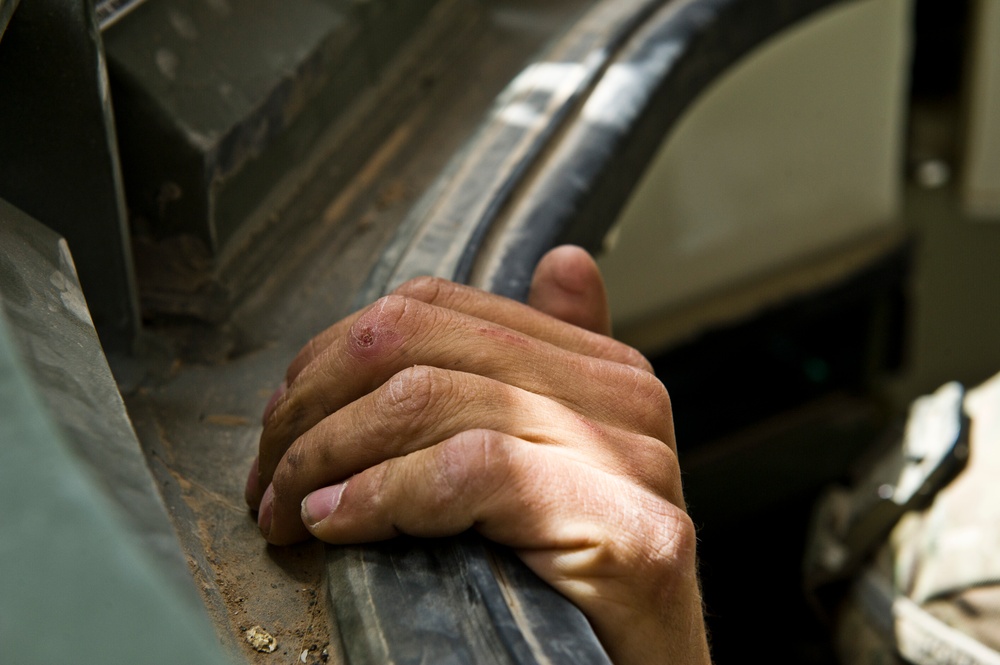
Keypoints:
pixel 443 408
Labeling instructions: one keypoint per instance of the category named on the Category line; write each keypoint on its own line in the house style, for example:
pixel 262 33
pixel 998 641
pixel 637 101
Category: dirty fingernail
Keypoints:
pixel 266 510
pixel 271 403
pixel 250 493
pixel 319 505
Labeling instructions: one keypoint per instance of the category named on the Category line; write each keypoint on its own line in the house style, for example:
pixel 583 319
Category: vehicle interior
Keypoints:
pixel 794 204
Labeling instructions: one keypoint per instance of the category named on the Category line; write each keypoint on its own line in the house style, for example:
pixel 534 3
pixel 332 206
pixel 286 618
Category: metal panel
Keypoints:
pixel 93 571
pixel 204 90
pixel 58 152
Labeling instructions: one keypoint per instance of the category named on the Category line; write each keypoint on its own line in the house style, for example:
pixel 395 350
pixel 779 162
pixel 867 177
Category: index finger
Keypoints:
pixel 489 307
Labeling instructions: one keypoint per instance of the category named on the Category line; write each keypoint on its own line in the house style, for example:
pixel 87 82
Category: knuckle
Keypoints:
pixel 379 481
pixel 411 392
pixel 656 466
pixel 611 349
pixel 634 358
pixel 426 289
pixel 387 310
pixel 650 407
pixel 381 327
pixel 674 541
pixel 290 417
pixel 295 458
pixel 662 540
pixel 476 460
pixel 652 394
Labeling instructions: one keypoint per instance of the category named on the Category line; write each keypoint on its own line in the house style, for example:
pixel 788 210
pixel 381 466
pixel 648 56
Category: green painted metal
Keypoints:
pixel 91 572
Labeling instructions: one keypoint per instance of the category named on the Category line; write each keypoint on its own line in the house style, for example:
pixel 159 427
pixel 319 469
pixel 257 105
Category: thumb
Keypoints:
pixel 567 285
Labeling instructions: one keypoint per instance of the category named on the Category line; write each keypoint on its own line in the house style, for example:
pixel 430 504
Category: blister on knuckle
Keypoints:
pixel 387 311
pixel 383 327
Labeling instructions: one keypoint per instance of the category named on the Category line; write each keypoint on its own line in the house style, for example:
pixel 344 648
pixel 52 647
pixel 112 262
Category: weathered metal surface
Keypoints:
pixel 92 569
pixel 207 92
pixel 850 524
pixel 220 104
pixel 59 155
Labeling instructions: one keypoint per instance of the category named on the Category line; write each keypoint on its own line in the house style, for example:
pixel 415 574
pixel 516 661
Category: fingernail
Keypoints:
pixel 271 403
pixel 266 510
pixel 319 505
pixel 250 493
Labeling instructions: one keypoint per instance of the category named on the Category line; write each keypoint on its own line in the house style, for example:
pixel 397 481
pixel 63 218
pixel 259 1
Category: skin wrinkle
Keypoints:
pixel 471 459
pixel 410 393
pixel 640 388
